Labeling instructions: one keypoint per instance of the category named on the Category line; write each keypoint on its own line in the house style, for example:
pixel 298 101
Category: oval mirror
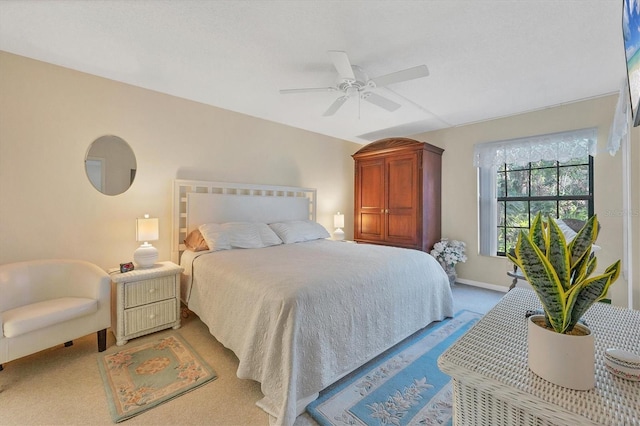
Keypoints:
pixel 110 165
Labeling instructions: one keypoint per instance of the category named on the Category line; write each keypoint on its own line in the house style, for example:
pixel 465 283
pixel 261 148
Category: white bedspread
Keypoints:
pixel 300 316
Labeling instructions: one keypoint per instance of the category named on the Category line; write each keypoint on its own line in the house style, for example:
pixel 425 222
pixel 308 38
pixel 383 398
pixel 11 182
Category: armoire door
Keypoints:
pixel 370 200
pixel 402 199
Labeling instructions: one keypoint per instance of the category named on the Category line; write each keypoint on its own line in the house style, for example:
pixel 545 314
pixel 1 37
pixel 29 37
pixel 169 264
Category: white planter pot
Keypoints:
pixel 565 360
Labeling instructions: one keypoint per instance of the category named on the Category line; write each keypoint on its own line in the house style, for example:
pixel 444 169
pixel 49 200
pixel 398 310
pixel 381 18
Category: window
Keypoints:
pixel 553 188
pixel 517 178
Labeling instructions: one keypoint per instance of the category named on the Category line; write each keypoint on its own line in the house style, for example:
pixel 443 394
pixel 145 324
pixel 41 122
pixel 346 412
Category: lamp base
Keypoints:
pixel 145 256
pixel 338 234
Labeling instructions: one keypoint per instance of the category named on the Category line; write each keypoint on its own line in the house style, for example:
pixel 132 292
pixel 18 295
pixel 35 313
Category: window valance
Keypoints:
pixel 562 146
pixel 620 126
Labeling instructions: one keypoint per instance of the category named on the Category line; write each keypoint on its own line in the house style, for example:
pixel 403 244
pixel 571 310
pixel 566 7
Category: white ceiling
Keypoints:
pixel 486 59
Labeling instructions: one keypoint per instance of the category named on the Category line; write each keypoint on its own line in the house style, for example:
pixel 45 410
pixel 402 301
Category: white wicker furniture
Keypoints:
pixel 145 301
pixel 494 386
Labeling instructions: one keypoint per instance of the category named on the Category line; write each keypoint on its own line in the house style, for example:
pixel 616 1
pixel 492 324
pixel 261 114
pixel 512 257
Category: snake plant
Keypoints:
pixel 560 272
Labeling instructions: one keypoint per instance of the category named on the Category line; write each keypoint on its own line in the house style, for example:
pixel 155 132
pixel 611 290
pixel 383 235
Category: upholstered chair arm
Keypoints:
pixel 88 280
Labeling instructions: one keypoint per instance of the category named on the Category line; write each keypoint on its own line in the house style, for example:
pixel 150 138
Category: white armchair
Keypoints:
pixel 44 303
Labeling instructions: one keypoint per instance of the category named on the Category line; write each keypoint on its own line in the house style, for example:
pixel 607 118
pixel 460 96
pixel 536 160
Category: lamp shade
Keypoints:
pixel 147 228
pixel 338 223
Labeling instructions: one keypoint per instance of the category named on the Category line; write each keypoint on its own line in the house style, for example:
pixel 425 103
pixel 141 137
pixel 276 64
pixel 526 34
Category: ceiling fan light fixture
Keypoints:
pixel 345 86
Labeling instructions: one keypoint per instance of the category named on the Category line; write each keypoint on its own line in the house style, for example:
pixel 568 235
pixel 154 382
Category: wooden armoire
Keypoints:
pixel 397 193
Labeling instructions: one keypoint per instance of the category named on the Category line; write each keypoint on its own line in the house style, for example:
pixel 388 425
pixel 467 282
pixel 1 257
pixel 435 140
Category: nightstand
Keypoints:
pixel 144 301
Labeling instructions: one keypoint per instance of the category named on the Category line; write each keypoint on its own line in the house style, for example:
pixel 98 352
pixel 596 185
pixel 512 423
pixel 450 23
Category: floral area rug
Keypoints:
pixel 140 377
pixel 402 387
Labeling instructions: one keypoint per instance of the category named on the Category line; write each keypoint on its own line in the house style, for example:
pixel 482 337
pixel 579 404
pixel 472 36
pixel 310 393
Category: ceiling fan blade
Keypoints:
pixel 380 101
pixel 335 106
pixel 343 65
pixel 308 90
pixel 399 76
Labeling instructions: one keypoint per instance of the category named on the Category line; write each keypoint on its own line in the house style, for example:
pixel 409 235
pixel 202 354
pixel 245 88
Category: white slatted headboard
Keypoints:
pixel 198 202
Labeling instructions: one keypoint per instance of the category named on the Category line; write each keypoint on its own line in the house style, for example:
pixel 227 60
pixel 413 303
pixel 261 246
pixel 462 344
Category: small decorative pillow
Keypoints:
pixel 297 231
pixel 195 241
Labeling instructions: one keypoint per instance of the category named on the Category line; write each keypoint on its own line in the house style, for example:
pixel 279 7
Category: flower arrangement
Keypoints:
pixel 449 252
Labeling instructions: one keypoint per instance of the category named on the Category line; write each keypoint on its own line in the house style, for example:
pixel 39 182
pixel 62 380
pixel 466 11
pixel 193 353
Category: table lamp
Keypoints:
pixel 146 255
pixel 338 223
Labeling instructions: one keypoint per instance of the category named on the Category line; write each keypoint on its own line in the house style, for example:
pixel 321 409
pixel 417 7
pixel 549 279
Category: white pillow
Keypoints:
pixel 238 235
pixel 215 237
pixel 269 238
pixel 297 231
pixel 242 234
pixel 569 234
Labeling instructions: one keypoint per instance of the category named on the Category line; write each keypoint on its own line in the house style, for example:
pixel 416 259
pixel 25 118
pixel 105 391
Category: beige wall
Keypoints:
pixel 459 203
pixel 50 115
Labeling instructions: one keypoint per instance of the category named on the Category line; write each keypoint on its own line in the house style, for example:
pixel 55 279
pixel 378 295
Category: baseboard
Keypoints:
pixel 480 284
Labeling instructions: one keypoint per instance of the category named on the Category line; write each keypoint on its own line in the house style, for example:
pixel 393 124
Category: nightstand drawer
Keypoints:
pixel 150 316
pixel 149 291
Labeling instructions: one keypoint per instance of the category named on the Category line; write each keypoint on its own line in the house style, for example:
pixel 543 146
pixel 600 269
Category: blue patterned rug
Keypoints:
pixel 401 387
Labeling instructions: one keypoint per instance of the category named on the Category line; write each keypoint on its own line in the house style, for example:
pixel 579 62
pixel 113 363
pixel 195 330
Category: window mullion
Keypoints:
pixel 511 178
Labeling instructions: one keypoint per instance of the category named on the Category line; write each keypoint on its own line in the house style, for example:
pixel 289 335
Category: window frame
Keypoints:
pixel 557 198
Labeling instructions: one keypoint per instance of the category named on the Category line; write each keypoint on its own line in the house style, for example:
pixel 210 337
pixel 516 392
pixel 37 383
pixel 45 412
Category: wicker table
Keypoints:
pixel 494 386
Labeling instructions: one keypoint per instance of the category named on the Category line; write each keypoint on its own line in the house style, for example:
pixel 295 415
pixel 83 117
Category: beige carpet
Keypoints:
pixel 62 386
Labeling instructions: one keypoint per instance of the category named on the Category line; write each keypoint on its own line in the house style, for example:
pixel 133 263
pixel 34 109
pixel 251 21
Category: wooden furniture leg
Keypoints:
pixel 102 340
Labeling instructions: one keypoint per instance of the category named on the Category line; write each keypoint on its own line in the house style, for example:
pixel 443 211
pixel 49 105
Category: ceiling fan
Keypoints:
pixel 355 82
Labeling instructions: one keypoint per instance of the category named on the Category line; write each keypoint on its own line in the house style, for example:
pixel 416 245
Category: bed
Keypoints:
pixel 301 314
